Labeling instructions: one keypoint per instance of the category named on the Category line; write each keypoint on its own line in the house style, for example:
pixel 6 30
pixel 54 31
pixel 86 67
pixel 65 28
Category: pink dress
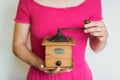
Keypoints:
pixel 46 20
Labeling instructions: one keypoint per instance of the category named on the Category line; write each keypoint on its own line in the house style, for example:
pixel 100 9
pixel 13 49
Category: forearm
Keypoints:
pixel 96 44
pixel 22 52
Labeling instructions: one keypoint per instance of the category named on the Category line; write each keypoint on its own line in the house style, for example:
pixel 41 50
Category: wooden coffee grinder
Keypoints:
pixel 58 50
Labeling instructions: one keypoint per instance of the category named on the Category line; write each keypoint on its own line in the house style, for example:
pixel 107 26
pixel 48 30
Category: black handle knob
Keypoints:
pixel 86 21
pixel 58 63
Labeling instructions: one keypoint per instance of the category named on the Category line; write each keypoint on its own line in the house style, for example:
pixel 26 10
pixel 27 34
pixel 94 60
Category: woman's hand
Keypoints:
pixel 53 72
pixel 98 35
pixel 97 29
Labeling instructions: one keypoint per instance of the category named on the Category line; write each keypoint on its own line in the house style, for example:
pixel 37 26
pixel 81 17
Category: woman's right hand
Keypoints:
pixel 53 72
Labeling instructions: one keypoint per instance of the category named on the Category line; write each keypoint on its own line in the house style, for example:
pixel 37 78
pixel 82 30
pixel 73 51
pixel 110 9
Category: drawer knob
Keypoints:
pixel 58 63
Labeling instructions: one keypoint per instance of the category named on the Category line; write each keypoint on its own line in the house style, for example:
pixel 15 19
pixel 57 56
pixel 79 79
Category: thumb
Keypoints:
pixel 57 70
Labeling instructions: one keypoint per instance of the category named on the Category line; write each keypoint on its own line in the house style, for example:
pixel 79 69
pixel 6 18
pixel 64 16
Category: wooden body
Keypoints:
pixel 58 52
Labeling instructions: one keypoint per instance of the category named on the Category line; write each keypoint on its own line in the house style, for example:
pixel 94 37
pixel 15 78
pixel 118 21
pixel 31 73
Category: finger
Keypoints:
pixel 56 70
pixel 94 23
pixel 51 72
pixel 69 70
pixel 102 38
pixel 46 71
pixel 96 34
pixel 66 70
pixel 93 29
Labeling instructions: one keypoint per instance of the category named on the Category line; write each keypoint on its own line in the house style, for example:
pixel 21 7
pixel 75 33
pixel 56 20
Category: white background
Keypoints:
pixel 104 66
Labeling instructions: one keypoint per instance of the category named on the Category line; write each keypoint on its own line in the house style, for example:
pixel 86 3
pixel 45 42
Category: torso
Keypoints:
pixel 45 21
pixel 59 3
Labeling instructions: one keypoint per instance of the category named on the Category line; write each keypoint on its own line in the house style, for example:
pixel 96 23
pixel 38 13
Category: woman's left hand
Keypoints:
pixel 58 70
pixel 55 71
pixel 97 29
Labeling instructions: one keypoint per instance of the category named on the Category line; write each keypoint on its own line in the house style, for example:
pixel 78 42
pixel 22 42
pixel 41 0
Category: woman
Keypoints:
pixel 42 18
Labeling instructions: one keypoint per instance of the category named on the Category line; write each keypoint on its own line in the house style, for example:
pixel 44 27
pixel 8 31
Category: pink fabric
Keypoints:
pixel 45 21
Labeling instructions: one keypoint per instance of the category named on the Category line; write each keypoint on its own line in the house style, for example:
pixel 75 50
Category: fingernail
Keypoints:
pixel 42 66
pixel 85 31
pixel 85 26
